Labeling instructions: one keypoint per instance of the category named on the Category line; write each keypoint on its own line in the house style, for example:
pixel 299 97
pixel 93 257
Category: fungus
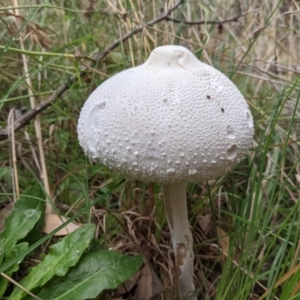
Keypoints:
pixel 153 123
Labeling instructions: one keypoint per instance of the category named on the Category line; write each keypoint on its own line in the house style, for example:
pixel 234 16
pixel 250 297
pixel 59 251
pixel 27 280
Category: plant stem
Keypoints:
pixel 37 53
pixel 181 236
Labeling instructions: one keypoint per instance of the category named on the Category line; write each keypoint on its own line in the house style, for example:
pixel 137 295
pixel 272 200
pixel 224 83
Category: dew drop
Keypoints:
pixel 31 212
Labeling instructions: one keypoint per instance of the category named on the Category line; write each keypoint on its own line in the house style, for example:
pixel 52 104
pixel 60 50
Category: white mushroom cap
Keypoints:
pixel 171 119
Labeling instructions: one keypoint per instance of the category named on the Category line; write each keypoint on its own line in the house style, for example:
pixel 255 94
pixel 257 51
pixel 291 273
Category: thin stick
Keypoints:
pixel 19 286
pixel 14 156
pixel 191 23
pixel 182 239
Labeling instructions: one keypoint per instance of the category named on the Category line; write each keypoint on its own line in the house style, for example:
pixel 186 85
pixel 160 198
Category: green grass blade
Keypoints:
pixel 17 226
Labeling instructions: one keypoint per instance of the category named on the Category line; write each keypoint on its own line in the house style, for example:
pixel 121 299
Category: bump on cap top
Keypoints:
pixel 171 119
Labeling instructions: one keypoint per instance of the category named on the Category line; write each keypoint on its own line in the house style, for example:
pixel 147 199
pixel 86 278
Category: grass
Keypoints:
pixel 245 224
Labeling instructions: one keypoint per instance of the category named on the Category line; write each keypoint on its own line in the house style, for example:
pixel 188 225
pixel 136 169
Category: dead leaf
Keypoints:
pixel 36 33
pixel 4 213
pixel 149 285
pixel 129 284
pixel 53 221
pixel 205 223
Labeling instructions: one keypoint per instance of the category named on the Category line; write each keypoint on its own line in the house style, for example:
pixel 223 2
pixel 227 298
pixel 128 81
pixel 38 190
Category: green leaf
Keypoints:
pixel 20 248
pixel 61 257
pixel 33 198
pixel 3 286
pixel 5 266
pixel 96 271
pixel 17 226
pixel 23 222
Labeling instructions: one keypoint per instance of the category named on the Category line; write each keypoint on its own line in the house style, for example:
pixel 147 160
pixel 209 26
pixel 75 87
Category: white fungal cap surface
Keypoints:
pixel 171 119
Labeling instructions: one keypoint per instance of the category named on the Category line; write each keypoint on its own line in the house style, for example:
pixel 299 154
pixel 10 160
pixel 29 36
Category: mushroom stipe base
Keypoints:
pixel 181 237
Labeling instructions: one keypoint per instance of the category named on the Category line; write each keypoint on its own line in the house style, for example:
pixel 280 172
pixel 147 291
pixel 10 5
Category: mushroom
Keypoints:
pixel 171 120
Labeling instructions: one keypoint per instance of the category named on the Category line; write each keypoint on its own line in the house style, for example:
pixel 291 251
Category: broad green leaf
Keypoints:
pixel 3 285
pixel 17 226
pixel 20 248
pixel 96 271
pixel 61 257
pixel 33 198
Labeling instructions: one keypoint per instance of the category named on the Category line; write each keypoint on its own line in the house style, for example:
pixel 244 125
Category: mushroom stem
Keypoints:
pixel 181 236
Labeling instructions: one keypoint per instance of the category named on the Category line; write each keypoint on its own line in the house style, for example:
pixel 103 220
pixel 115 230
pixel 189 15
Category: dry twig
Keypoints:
pixel 235 19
